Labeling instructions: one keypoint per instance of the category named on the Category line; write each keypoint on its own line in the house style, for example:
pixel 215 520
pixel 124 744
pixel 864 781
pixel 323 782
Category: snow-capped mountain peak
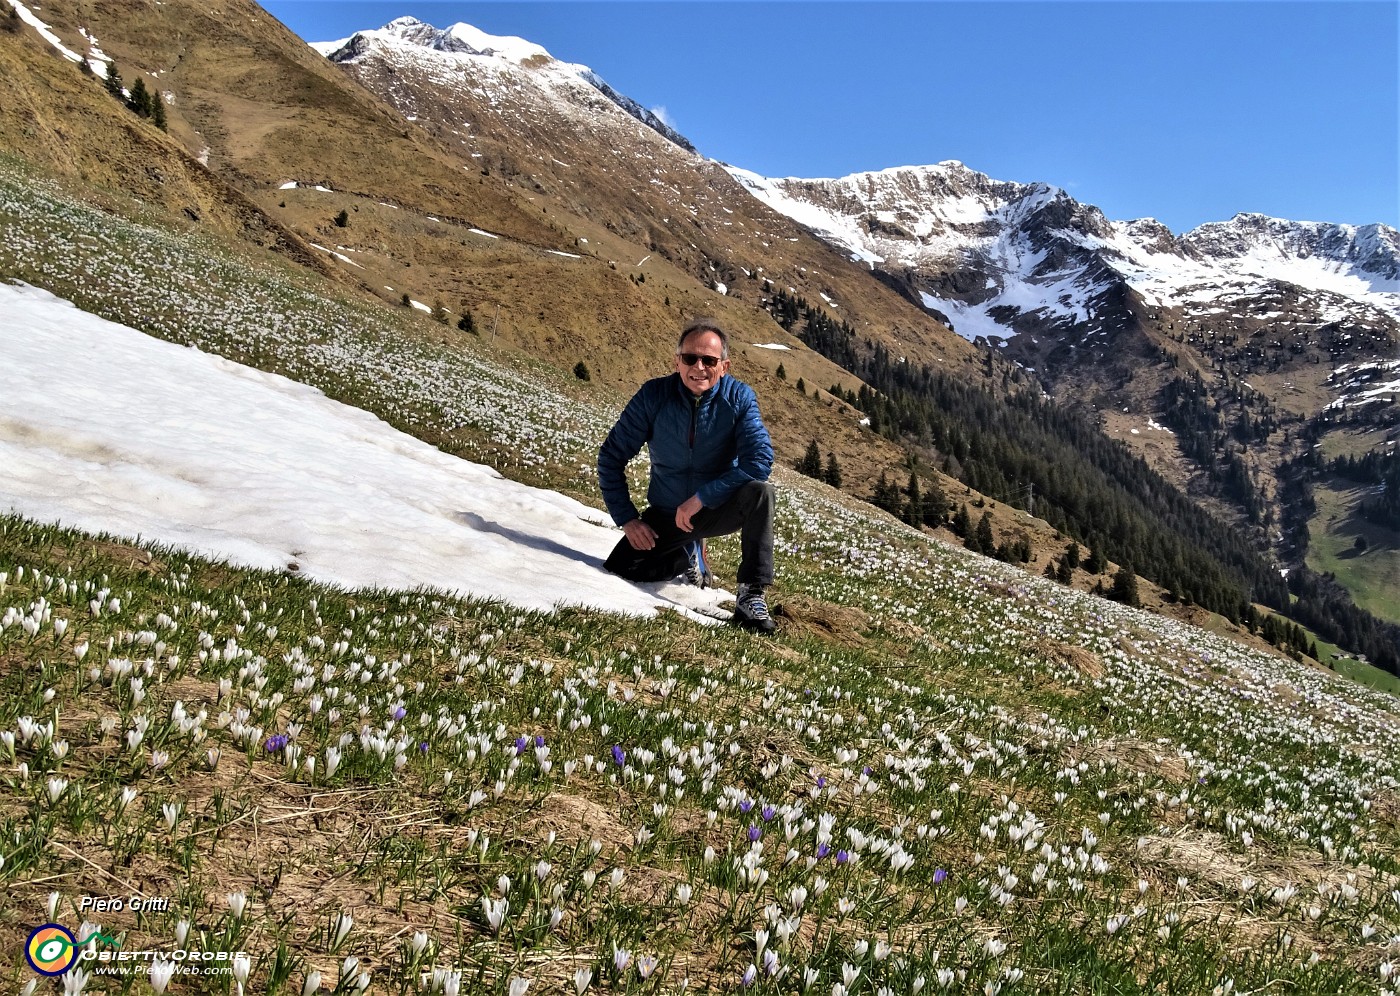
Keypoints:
pixel 517 64
pixel 998 258
pixel 460 38
pixel 1370 249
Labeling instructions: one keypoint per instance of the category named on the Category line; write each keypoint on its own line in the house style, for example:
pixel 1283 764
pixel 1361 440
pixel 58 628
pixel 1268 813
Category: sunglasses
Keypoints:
pixel 690 359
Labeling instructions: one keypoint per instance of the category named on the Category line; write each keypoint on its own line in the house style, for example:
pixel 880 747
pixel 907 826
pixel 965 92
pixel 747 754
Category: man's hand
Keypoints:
pixel 640 535
pixel 688 508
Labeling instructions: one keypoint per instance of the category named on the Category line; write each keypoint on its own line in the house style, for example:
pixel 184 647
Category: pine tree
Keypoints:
pixel 1072 555
pixel 581 371
pixel 886 495
pixel 811 462
pixel 1125 587
pixel 114 82
pixel 467 323
pixel 801 385
pixel 914 507
pixel 962 522
pixel 1064 573
pixel 935 503
pixel 342 219
pixel 986 542
pixel 139 102
pixel 157 110
pixel 832 474
pixel 782 372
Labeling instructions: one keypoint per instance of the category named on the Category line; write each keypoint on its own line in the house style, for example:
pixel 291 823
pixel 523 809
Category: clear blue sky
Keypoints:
pixel 1186 111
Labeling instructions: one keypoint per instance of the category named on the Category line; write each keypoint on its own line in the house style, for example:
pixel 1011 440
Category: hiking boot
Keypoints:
pixel 751 611
pixel 697 572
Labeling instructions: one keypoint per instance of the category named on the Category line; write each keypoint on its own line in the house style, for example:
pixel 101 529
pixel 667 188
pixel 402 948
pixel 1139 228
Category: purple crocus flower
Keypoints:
pixel 823 849
pixel 768 813
pixel 423 746
pixel 745 805
pixel 539 740
pixel 400 712
pixel 275 743
pixel 821 781
pixel 939 876
pixel 520 744
pixel 842 857
pixel 619 755
pixel 754 833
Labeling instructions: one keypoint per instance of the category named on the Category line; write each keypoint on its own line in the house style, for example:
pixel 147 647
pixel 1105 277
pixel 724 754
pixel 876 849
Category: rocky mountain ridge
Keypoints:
pixel 1002 258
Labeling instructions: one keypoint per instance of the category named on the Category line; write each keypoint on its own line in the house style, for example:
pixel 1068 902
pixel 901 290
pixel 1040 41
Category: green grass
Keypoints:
pixel 1373 575
pixel 1340 661
pixel 944 775
pixel 1367 674
pixel 1352 442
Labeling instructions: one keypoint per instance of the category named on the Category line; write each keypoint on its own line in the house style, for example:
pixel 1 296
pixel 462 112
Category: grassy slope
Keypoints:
pixel 1372 576
pixel 1091 799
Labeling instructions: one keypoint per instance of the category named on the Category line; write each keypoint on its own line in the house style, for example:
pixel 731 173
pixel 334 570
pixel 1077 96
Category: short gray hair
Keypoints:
pixel 704 325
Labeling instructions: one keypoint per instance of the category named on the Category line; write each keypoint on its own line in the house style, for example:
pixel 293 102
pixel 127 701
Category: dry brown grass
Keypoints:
pixel 1134 755
pixel 1081 660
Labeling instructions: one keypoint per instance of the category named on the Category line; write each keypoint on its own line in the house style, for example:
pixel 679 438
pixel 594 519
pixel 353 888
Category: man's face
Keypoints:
pixel 701 346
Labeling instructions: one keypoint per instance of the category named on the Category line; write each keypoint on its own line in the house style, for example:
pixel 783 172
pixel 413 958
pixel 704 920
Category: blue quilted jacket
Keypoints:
pixel 708 446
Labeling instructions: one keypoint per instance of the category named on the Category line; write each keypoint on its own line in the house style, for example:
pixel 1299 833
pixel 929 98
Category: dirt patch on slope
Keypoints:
pixel 811 616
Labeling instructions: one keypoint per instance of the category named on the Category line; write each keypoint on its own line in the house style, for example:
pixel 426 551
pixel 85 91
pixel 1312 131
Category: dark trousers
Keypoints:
pixel 749 513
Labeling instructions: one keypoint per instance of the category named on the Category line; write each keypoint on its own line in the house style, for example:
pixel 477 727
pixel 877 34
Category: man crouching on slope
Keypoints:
pixel 710 459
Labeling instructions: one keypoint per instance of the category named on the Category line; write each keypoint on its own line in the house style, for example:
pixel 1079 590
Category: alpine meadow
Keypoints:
pixel 311 681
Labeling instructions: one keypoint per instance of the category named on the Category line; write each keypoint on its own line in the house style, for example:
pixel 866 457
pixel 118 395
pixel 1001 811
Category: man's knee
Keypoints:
pixel 758 493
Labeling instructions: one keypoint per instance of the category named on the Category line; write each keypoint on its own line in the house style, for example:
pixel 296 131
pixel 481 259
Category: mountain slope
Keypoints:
pixel 1268 315
pixel 556 131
